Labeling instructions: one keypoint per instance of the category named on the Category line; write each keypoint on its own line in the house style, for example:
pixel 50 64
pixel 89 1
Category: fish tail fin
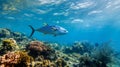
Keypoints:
pixel 33 30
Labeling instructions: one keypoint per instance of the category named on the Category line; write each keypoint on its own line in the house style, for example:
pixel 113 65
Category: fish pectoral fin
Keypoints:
pixel 54 29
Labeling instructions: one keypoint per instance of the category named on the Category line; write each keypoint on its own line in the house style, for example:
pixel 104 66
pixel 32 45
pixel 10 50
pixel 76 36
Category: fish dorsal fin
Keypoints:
pixel 45 24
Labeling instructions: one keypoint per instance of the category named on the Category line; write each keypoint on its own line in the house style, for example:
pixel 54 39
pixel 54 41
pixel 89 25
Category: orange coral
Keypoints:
pixel 15 58
pixel 10 57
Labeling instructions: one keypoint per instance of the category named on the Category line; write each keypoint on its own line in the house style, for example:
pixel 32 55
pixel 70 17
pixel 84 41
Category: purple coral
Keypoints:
pixel 37 48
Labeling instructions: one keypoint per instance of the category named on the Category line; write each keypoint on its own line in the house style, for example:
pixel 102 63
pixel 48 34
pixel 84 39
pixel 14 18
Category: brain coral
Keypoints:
pixel 37 48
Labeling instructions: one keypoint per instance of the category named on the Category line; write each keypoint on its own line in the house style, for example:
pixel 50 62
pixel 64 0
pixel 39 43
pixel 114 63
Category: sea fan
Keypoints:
pixel 103 53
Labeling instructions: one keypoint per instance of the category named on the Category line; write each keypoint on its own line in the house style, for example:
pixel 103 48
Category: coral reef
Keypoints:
pixel 19 37
pixel 4 32
pixel 79 47
pixel 60 63
pixel 44 63
pixel 17 50
pixel 91 55
pixel 103 53
pixel 55 46
pixel 86 61
pixel 37 48
pixel 101 56
pixel 15 59
pixel 47 63
pixel 8 45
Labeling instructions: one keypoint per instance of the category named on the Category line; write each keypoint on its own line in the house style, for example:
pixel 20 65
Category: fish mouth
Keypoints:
pixel 65 31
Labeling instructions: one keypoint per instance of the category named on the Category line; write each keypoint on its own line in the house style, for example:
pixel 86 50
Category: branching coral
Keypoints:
pixel 16 59
pixel 44 63
pixel 10 42
pixel 86 61
pixel 47 63
pixel 79 47
pixel 8 45
pixel 60 63
pixel 41 62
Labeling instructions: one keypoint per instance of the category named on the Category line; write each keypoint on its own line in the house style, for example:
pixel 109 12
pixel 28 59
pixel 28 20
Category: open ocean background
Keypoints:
pixel 95 21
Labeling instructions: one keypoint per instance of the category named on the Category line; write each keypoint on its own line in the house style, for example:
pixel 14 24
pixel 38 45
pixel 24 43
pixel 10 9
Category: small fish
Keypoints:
pixel 50 29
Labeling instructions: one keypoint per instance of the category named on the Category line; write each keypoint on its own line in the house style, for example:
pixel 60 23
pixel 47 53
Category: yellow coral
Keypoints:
pixel 61 63
pixel 44 63
pixel 24 57
pixel 10 42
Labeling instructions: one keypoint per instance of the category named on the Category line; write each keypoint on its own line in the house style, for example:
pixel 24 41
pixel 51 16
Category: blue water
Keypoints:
pixel 86 20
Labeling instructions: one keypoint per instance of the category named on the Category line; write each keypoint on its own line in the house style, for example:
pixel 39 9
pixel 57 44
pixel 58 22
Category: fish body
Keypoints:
pixel 50 29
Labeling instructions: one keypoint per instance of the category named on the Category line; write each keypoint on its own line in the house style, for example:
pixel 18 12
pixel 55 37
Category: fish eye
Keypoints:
pixel 65 31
